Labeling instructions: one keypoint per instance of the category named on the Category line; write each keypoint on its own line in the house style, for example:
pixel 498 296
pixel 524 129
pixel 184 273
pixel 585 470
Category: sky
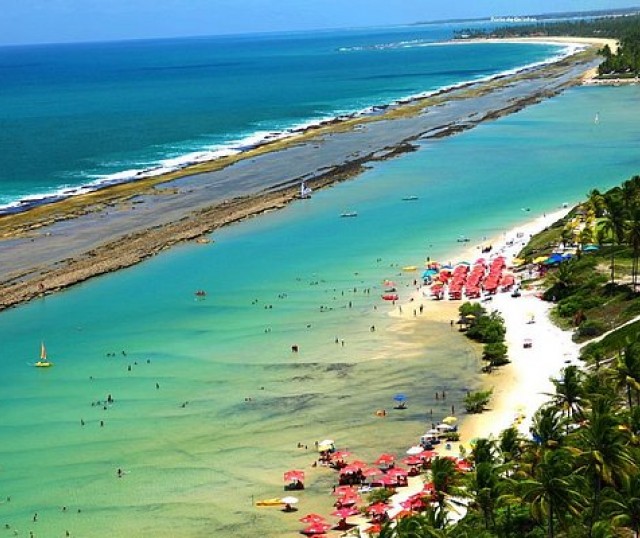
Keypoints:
pixel 59 21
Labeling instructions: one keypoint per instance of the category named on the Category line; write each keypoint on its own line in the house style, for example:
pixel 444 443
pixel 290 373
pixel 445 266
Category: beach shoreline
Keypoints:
pixel 55 246
pixel 521 386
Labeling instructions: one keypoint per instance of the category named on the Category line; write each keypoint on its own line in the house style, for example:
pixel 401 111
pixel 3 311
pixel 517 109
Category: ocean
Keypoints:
pixel 210 405
pixel 75 117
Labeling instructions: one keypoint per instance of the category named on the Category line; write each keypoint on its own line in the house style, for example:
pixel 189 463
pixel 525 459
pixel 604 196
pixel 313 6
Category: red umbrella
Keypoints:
pixel 358 463
pixel 344 513
pixel 370 471
pixel 316 528
pixel 412 460
pixel 397 471
pixel 428 454
pixel 387 480
pixel 385 458
pixel 378 509
pixel 373 529
pixel 313 518
pixel 348 500
pixel 349 469
pixel 292 476
pixel 340 455
pixel 345 490
pixel 428 488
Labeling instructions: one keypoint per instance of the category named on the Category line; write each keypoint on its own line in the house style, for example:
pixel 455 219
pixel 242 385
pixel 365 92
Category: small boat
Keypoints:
pixel 410 198
pixel 305 192
pixel 463 239
pixel 349 214
pixel 270 502
pixel 43 362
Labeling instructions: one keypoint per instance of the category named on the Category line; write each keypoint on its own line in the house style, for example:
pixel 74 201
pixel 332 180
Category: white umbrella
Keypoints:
pixel 432 432
pixel 415 450
pixel 444 427
pixel 289 500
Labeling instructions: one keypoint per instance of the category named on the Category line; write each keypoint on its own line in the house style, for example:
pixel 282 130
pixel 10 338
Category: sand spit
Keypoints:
pixel 54 246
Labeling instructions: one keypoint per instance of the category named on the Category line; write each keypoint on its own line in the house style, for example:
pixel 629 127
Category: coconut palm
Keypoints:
pixel 568 387
pixel 484 489
pixel 624 504
pixel 633 237
pixel 510 444
pixel 602 451
pixel 552 490
pixel 614 224
pixel 625 371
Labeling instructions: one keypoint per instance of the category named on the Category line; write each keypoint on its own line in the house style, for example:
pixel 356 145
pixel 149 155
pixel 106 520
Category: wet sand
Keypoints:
pixel 57 245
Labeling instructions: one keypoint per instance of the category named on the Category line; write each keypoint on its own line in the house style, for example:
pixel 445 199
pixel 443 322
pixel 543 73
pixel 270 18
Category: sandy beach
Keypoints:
pixel 520 387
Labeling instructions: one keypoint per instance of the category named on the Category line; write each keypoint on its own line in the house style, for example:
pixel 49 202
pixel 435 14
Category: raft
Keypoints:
pixel 270 502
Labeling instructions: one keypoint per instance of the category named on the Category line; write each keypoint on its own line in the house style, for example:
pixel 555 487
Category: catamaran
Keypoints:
pixel 43 362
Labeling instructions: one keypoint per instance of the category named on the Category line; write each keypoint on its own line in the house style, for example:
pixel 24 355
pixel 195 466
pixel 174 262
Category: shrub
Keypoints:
pixel 475 402
pixel 591 328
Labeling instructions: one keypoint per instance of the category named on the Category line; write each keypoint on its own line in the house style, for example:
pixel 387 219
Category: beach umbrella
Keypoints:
pixel 412 460
pixel 359 464
pixel 344 513
pixel 293 476
pixel 340 454
pixel 327 444
pixel 432 431
pixel 316 528
pixel 540 259
pixel 348 500
pixel 428 454
pixel 412 451
pixel 370 471
pixel 400 398
pixel 289 500
pixel 590 248
pixel 397 472
pixel 444 427
pixel 378 509
pixel 313 518
pixel 385 458
pixel 449 420
pixel 349 469
pixel 345 490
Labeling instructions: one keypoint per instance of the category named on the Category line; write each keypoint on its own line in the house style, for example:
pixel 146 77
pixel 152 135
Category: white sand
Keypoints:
pixel 520 387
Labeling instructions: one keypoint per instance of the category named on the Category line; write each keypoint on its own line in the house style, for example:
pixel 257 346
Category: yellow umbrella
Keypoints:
pixel 540 259
pixel 449 420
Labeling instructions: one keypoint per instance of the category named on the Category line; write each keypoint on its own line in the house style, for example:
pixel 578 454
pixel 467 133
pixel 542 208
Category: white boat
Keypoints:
pixel 410 198
pixel 349 214
pixel 305 192
pixel 43 362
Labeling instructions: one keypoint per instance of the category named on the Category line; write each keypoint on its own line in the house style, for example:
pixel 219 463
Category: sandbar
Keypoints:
pixel 51 247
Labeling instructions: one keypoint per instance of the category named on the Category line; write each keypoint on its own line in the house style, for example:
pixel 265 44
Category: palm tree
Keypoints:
pixel 552 491
pixel 547 429
pixel 624 504
pixel 614 224
pixel 602 451
pixel 484 451
pixel 510 444
pixel 625 372
pixel 569 390
pixel 443 476
pixel 633 236
pixel 483 487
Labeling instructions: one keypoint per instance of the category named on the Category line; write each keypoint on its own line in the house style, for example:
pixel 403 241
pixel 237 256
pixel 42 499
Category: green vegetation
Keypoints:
pixel 486 328
pixel 625 62
pixel 577 476
pixel 476 402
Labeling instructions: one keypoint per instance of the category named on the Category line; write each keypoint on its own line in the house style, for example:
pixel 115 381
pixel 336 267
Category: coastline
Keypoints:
pixel 521 386
pixel 54 246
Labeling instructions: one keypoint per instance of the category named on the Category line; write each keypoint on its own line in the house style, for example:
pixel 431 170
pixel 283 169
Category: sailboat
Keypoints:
pixel 305 192
pixel 43 362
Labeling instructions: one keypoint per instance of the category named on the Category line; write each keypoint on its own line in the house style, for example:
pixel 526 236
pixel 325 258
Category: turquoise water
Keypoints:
pixel 87 114
pixel 195 452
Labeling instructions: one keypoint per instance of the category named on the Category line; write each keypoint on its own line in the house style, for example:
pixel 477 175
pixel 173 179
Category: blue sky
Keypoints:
pixel 46 21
